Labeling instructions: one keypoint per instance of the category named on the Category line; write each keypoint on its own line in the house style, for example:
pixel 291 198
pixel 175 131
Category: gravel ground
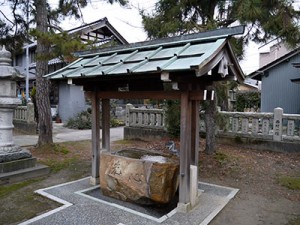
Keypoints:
pixel 261 199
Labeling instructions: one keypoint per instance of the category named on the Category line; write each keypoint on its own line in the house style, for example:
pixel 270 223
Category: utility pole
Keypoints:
pixel 27 52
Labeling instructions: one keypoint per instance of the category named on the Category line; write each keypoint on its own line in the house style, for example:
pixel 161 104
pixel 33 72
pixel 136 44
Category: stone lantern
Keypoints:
pixel 8 102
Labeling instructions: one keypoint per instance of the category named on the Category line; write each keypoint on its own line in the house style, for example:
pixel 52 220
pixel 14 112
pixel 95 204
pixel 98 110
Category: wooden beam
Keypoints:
pixel 106 124
pixel 95 138
pixel 196 95
pixel 139 95
pixel 193 95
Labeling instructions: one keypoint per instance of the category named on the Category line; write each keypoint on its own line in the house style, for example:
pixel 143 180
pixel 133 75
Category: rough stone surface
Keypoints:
pixel 13 153
pixel 127 177
pixel 6 167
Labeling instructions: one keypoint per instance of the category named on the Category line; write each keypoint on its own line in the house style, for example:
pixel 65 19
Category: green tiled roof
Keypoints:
pixel 189 52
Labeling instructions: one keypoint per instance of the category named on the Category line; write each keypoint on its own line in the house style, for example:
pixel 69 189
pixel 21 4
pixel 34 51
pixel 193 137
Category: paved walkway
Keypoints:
pixel 83 204
pixel 63 134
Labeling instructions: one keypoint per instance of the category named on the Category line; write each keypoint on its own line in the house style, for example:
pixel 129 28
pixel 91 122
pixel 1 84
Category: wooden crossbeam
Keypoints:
pixel 160 95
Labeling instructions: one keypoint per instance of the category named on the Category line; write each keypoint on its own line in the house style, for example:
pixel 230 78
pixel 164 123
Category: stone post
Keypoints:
pixel 30 112
pixel 8 103
pixel 277 124
pixel 127 120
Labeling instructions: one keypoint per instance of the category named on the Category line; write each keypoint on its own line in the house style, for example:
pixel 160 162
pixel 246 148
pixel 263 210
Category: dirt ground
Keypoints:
pixel 262 199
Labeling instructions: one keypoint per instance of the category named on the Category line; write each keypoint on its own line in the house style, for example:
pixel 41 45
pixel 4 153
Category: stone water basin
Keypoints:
pixel 139 175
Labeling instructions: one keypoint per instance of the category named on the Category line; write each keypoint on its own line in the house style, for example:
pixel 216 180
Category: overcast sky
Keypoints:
pixel 125 19
pixel 128 22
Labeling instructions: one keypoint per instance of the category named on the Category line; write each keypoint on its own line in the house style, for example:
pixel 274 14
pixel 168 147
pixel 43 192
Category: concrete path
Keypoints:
pixel 63 134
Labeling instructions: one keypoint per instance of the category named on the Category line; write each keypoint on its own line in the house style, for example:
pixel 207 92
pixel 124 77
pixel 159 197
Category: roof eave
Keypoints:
pixel 257 75
pixel 215 58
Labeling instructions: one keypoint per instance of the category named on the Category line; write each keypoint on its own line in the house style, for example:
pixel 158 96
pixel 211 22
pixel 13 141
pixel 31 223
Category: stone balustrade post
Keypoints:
pixel 290 128
pixel 30 112
pixel 235 125
pixel 277 124
pixel 255 126
pixel 127 120
pixel 245 125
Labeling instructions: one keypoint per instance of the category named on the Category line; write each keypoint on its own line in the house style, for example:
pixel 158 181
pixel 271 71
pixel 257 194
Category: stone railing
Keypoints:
pixel 24 119
pixel 144 118
pixel 275 126
pixel 25 113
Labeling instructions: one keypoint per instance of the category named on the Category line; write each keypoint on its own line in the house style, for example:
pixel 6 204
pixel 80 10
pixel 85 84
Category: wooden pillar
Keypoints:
pixel 194 196
pixel 95 138
pixel 185 149
pixel 195 133
pixel 106 124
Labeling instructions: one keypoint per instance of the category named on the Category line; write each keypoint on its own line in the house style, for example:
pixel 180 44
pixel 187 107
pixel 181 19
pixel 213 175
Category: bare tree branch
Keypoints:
pixel 7 18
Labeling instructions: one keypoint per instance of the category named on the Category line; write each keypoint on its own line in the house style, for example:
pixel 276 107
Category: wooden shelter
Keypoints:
pixel 180 67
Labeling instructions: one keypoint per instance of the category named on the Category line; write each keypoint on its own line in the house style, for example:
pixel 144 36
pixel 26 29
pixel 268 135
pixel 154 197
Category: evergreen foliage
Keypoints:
pixel 172 120
pixel 265 19
pixel 247 99
pixel 83 121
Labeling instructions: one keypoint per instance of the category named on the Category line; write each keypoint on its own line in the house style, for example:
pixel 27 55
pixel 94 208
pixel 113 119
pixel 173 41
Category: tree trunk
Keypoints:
pixel 210 123
pixel 42 93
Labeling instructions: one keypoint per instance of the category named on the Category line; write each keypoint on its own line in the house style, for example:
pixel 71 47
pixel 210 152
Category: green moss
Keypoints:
pixel 60 149
pixel 28 203
pixel 294 221
pixel 221 157
pixel 56 166
pixel 238 140
pixel 7 189
pixel 292 183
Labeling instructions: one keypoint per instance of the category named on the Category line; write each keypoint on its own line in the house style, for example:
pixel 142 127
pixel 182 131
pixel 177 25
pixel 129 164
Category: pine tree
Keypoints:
pixel 37 13
pixel 264 19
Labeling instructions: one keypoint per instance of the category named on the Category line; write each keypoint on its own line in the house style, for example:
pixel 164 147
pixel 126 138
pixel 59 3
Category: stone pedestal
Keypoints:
pixel 16 163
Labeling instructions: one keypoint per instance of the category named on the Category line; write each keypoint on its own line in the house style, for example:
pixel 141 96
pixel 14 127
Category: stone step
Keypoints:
pixel 24 174
pixel 15 165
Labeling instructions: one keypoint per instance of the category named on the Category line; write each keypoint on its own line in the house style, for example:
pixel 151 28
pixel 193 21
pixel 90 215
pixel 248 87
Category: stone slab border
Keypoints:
pixel 65 204
pixel 158 220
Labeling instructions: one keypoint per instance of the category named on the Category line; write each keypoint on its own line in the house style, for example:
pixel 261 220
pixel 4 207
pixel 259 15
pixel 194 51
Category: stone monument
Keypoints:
pixel 8 103
pixel 12 157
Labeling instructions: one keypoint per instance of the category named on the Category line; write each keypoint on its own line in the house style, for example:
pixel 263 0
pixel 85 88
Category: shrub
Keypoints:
pixel 173 117
pixel 247 99
pixel 116 123
pixel 83 121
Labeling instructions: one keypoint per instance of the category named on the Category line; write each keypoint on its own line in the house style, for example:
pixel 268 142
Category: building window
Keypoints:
pixel 32 56
pixel 232 95
pixel 19 60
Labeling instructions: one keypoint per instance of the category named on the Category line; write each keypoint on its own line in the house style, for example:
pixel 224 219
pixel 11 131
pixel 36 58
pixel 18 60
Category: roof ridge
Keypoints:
pixel 195 37
pixel 104 19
